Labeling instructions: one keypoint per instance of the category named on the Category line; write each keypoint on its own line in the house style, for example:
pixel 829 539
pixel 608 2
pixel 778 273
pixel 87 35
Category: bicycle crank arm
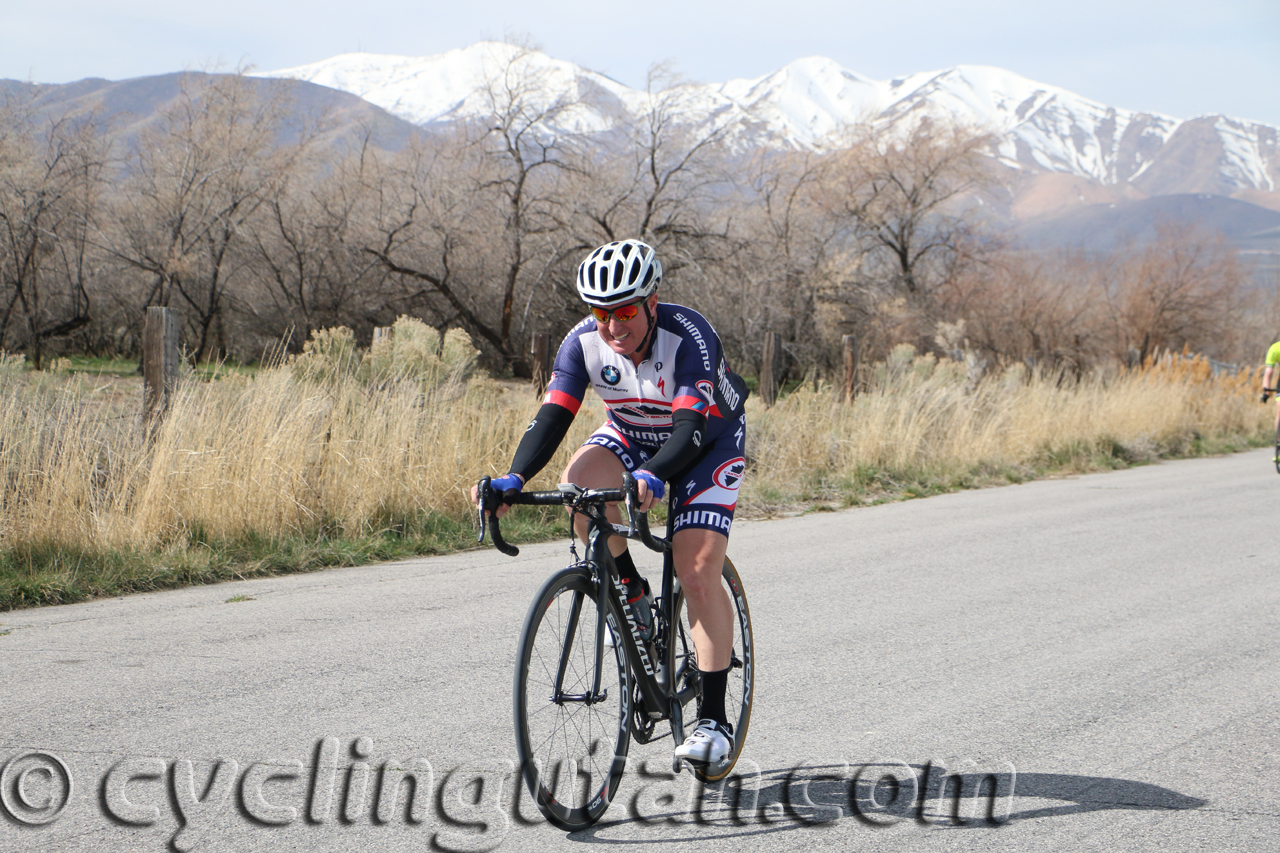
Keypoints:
pixel 677 732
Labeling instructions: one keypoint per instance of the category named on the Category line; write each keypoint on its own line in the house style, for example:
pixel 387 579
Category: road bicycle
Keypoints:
pixel 587 682
pixel 1274 392
pixel 1277 456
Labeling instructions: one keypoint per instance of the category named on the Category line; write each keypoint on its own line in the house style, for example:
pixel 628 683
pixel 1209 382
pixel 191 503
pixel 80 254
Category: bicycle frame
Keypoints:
pixel 654 676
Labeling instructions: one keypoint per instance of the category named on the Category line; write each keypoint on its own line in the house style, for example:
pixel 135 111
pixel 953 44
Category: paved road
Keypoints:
pixel 1107 648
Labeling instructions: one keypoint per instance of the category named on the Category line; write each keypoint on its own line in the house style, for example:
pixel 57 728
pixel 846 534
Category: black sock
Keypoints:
pixel 627 572
pixel 711 707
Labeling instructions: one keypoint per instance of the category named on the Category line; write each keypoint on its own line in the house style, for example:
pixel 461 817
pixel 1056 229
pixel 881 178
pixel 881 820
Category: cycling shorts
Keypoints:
pixel 705 494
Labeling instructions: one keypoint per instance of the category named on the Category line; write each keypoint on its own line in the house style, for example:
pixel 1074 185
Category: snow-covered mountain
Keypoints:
pixel 807 103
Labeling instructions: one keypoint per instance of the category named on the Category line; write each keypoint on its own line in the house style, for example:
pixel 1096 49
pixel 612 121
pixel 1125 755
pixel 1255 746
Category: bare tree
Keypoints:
pixel 657 180
pixel 1035 308
pixel 309 246
pixel 195 179
pixel 906 203
pixel 787 255
pixel 524 152
pixel 49 182
pixel 484 205
pixel 430 234
pixel 1185 289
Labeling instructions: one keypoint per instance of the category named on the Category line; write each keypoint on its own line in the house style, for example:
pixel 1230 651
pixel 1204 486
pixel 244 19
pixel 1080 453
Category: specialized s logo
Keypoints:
pixel 610 374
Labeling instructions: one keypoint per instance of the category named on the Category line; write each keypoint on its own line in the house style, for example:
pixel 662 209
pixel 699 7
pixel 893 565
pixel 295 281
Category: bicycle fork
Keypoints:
pixel 602 574
pixel 559 697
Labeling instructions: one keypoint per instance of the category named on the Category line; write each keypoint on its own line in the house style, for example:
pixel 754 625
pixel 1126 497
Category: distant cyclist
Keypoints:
pixel 675 414
pixel 1273 358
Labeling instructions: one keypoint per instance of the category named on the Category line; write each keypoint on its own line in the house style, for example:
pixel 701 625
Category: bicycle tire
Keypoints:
pixel 741 687
pixel 1277 456
pixel 560 743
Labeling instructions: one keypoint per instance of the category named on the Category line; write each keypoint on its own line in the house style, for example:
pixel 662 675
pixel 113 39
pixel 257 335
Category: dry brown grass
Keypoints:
pixel 325 445
pixel 303 450
pixel 936 426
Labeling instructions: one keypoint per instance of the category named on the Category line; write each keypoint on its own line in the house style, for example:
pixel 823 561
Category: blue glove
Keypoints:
pixel 506 483
pixel 655 485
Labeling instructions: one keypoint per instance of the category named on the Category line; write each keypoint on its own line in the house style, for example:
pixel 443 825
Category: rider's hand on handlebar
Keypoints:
pixel 1265 395
pixel 499 484
pixel 648 490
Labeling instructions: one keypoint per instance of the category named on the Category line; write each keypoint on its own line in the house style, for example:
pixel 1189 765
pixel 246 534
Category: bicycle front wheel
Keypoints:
pixel 1277 459
pixel 572 737
pixel 740 690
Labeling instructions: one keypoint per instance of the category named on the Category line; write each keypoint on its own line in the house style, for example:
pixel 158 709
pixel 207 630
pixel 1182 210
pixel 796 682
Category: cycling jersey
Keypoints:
pixel 684 369
pixel 1273 354
pixel 678 414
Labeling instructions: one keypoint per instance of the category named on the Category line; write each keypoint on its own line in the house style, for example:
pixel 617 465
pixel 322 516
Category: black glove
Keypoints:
pixel 1266 395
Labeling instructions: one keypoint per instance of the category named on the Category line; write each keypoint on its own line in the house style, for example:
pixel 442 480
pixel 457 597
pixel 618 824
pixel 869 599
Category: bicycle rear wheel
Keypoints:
pixel 572 744
pixel 740 690
pixel 1277 458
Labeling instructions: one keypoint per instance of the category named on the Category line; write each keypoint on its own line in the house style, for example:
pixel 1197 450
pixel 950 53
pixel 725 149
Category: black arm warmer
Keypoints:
pixel 687 431
pixel 541 440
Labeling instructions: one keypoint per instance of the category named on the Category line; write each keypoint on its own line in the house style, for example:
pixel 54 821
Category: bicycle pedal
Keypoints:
pixel 677 764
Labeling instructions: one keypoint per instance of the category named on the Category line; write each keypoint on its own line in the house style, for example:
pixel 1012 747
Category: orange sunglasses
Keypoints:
pixel 624 313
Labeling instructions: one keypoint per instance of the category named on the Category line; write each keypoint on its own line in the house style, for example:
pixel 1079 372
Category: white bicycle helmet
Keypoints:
pixel 619 272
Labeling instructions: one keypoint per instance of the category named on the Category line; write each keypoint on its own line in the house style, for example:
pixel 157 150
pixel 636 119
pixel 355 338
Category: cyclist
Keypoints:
pixel 1273 358
pixel 675 414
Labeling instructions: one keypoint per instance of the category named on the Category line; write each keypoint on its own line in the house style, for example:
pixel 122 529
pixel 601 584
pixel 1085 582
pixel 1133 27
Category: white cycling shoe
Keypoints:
pixel 708 745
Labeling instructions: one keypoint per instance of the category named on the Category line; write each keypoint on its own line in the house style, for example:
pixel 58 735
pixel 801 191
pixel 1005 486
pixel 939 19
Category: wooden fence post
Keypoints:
pixel 159 361
pixel 383 333
pixel 768 369
pixel 541 362
pixel 849 348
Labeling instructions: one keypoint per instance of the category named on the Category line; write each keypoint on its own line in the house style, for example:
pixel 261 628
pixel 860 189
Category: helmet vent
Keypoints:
pixel 619 272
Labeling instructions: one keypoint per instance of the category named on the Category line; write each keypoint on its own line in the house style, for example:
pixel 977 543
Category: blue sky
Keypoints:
pixel 1179 57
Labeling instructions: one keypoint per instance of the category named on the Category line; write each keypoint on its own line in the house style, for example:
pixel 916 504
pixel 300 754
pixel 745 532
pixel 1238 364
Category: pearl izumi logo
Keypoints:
pixel 610 374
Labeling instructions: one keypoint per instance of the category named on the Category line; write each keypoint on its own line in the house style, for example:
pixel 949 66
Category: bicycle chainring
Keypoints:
pixel 641 725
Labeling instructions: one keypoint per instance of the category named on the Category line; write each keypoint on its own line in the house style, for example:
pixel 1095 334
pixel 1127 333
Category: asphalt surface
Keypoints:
pixel 1097 660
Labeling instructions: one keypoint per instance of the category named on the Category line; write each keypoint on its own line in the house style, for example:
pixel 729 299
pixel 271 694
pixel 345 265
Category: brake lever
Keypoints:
pixel 629 490
pixel 490 501
pixel 482 492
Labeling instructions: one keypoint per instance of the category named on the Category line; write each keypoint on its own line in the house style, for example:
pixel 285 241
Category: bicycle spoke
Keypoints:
pixel 572 750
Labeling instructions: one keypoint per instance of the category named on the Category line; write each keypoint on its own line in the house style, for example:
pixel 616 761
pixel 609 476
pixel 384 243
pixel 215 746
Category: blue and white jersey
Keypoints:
pixel 684 369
